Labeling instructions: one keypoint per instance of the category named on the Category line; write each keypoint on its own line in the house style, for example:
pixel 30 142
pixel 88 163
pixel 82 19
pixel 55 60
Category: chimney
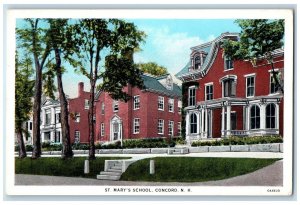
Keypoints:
pixel 80 88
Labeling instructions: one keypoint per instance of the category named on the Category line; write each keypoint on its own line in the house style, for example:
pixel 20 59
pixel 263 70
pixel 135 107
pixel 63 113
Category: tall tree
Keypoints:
pixel 34 40
pixel 153 68
pixel 108 46
pixel 63 45
pixel 258 40
pixel 23 104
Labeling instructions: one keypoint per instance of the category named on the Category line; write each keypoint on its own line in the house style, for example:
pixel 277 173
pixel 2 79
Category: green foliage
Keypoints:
pixel 240 141
pixel 54 166
pixel 78 146
pixel 192 169
pixel 153 68
pixel 145 143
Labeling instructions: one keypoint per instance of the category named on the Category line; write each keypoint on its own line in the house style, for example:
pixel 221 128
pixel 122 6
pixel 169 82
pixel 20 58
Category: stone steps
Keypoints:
pixel 178 151
pixel 108 177
pixel 113 173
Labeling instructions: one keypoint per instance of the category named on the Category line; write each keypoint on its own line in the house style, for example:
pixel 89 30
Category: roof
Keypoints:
pixel 152 83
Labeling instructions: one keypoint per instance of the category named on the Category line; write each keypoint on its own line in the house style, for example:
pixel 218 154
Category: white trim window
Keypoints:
pixel 48 117
pixel 193 123
pixel 136 102
pixel 160 103
pixel 136 125
pixel 229 87
pixel 250 86
pixel 197 62
pixel 179 128
pixel 102 108
pixel 115 106
pixel 160 127
pixel 171 105
pixel 271 116
pixel 273 88
pixel 86 104
pixel 192 96
pixel 77 136
pixel 255 117
pixel 209 90
pixel 102 130
pixel 179 106
pixel 228 64
pixel 77 117
pixel 171 128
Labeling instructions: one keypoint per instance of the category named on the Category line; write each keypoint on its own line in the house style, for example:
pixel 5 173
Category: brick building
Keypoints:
pixel 218 86
pixel 151 113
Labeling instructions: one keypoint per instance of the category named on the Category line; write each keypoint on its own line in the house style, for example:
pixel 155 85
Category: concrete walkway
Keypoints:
pixel 268 176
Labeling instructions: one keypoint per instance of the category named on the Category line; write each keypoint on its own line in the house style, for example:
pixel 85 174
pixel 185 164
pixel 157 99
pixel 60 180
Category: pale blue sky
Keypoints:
pixel 168 43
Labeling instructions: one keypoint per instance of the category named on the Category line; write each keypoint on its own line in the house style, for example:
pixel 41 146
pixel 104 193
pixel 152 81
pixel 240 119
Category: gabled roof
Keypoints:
pixel 50 102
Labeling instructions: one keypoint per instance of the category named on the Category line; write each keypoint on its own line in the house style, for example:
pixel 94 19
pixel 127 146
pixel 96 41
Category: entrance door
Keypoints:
pixel 115 129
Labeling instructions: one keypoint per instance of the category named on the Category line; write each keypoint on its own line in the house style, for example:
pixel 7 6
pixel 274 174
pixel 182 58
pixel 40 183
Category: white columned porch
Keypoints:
pixel 52 116
pixel 52 136
pixel 223 122
pixel 187 125
pixel 43 117
pixel 198 123
pixel 228 120
pixel 277 116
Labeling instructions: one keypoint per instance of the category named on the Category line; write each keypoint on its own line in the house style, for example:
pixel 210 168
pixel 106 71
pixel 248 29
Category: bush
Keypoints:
pixel 115 145
pixel 147 143
pixel 78 146
pixel 240 141
pixel 29 148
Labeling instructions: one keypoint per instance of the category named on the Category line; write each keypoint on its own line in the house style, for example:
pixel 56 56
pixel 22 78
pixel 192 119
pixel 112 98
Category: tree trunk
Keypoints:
pixel 91 121
pixel 36 133
pixel 65 128
pixel 22 150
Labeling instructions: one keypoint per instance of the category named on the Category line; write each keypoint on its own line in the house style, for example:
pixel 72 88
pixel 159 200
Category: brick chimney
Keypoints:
pixel 80 89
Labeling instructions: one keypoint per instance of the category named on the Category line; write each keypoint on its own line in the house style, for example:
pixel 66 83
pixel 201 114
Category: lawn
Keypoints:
pixel 55 166
pixel 192 169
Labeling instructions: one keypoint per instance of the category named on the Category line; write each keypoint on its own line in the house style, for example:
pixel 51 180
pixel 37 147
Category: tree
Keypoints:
pixel 258 40
pixel 112 43
pixel 23 93
pixel 33 40
pixel 153 69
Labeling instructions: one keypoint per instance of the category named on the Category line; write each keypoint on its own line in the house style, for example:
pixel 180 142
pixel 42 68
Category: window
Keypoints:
pixel 270 116
pixel 229 88
pixel 77 136
pixel 192 96
pixel 86 104
pixel 232 121
pixel 171 128
pixel 57 137
pixel 197 63
pixel 136 102
pixel 115 106
pixel 77 117
pixel 30 125
pixel 160 103
pixel 48 117
pixel 102 130
pixel 102 108
pixel 193 123
pixel 228 64
pixel 179 106
pixel 136 125
pixel 179 128
pixel 273 87
pixel 58 118
pixel 209 92
pixel 46 136
pixel 171 105
pixel 255 117
pixel 250 86
pixel 160 126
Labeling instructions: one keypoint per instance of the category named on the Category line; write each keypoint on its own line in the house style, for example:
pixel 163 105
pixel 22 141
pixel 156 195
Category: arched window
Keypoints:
pixel 197 63
pixel 271 116
pixel 193 123
pixel 255 117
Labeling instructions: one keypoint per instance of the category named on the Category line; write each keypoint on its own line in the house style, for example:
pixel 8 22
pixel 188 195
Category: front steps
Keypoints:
pixel 113 172
pixel 178 150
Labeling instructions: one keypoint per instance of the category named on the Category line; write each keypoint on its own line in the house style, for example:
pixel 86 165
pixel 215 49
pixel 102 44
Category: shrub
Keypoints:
pixel 29 148
pixel 78 146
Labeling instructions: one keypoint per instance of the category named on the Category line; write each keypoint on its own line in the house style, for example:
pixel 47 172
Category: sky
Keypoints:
pixel 168 44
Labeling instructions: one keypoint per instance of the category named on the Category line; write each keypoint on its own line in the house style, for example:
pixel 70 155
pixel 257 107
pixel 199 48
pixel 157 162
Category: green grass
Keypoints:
pixel 55 166
pixel 192 169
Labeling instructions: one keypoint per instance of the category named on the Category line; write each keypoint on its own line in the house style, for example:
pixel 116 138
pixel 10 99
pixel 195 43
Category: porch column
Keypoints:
pixel 42 137
pixel 248 118
pixel 206 123
pixel 187 124
pixel 43 117
pixel 202 122
pixel 277 115
pixel 263 117
pixel 223 122
pixel 228 120
pixel 52 116
pixel 198 124
pixel 52 135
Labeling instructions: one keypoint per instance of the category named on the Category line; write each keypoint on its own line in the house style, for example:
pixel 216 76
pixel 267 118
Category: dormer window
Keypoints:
pixel 228 63
pixel 197 63
pixel 169 83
